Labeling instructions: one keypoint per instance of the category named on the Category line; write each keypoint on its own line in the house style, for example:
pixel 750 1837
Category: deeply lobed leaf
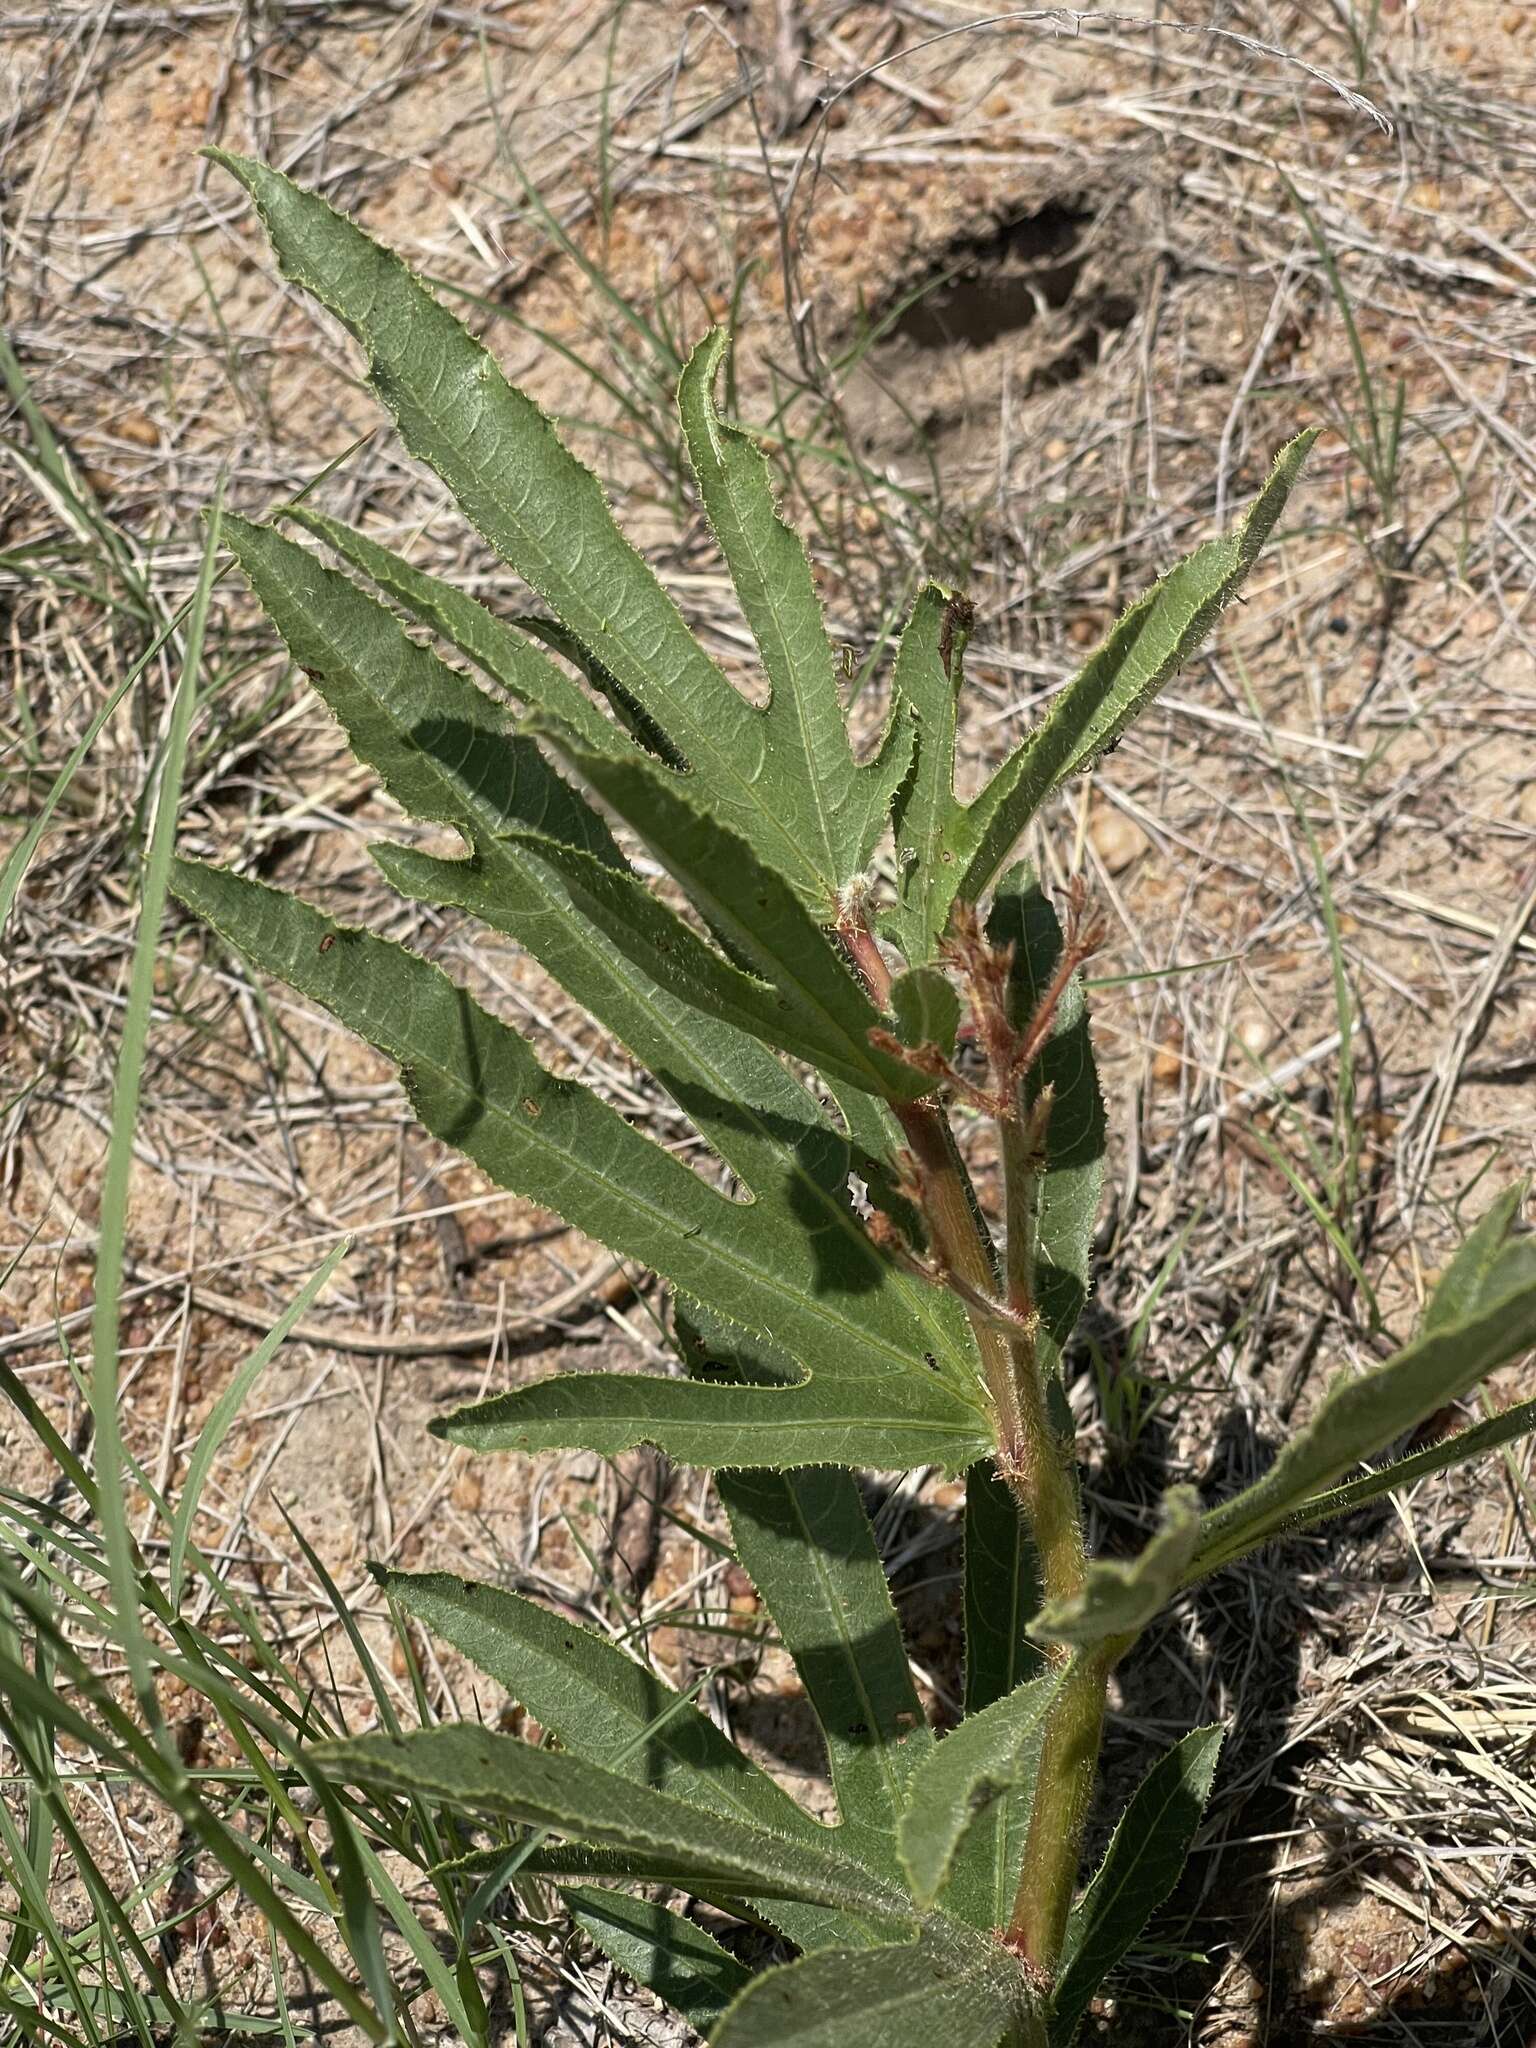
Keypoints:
pixel 840 809
pixel 664 1837
pixel 878 1389
pixel 545 513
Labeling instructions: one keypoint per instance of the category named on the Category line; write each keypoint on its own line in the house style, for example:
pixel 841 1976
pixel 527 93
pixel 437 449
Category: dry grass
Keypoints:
pixel 1029 307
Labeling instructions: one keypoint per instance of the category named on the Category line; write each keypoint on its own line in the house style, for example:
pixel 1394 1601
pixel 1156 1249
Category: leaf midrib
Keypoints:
pixel 570 607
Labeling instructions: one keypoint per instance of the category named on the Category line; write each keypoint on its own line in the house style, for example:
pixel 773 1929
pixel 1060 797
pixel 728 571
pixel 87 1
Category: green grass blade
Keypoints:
pixel 222 1417
pixel 112 1505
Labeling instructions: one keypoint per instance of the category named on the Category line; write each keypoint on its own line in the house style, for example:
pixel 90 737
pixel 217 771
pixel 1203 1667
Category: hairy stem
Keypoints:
pixel 1042 1476
pixel 962 1246
pixel 1068 1764
pixel 1034 1451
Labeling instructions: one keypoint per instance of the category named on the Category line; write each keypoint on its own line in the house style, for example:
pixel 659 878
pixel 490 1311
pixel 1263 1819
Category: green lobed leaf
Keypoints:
pixel 1119 1599
pixel 940 1989
pixel 598 1701
pixel 544 512
pixel 496 648
pixel 1140 1869
pixel 1002 1591
pixel 806 1541
pixel 881 1389
pixel 990 1754
pixel 946 849
pixel 476 1771
pixel 806 1023
pixel 444 752
pixel 840 809
pixel 686 1968
pixel 632 716
pixel 1495 1292
pixel 926 677
pixel 751 908
pixel 1073 1179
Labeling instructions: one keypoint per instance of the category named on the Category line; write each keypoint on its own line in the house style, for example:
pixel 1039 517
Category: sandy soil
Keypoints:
pixel 1052 286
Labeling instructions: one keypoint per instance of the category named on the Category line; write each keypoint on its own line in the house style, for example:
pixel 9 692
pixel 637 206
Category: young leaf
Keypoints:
pixel 939 1989
pixel 1493 1320
pixel 870 1397
pixel 597 1701
pixel 1072 1181
pixel 474 1770
pixel 1120 1599
pixel 990 1754
pixel 685 1967
pixel 926 677
pixel 1140 1869
pixel 544 512
pixel 841 808
pixel 926 1006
